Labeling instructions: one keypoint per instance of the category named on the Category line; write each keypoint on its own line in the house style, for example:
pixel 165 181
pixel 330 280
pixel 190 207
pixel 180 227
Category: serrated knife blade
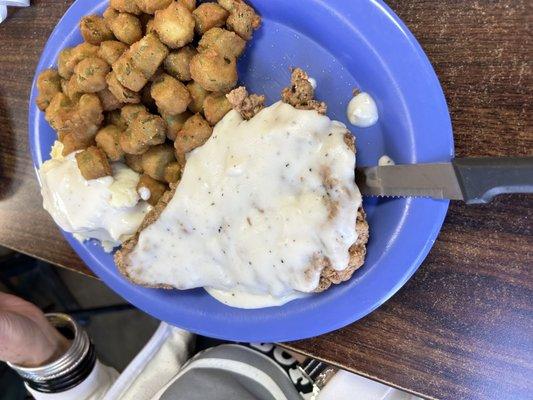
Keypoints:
pixel 473 180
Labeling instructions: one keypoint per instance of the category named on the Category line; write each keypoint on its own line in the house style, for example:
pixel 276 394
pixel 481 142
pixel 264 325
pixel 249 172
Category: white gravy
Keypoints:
pixel 251 211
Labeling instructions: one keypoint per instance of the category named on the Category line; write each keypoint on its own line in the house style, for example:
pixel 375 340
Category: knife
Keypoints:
pixel 472 180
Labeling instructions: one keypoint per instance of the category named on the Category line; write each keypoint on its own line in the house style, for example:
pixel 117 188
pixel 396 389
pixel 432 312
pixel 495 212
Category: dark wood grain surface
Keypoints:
pixel 462 328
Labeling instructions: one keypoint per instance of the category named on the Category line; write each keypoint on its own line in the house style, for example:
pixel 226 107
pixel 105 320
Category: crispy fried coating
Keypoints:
pixel 175 123
pixel 70 57
pixel 155 160
pixel 172 172
pixel 224 42
pixel 94 29
pixel 198 95
pixel 93 163
pixel 134 161
pixel 177 63
pixel 174 25
pixel 132 111
pixel 124 95
pixel 107 139
pixel 190 4
pixel 144 131
pixel 215 106
pixel 111 50
pixel 242 18
pixel 126 27
pixel 156 189
pixel 170 95
pixel 301 93
pixel 91 75
pixel 193 134
pixel 71 144
pixel 245 104
pixel 125 6
pixel 209 15
pixel 214 72
pixel 108 100
pixel 151 6
pixel 48 85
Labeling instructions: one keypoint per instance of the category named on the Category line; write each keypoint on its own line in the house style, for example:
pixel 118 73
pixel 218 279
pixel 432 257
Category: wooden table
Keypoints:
pixel 462 328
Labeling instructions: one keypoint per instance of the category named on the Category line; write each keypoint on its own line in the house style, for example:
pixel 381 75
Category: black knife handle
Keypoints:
pixel 483 178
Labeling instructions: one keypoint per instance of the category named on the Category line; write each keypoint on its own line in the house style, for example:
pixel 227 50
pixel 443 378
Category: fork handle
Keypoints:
pixel 483 178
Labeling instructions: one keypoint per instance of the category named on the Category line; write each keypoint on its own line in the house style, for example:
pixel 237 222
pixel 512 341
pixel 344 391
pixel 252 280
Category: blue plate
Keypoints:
pixel 343 45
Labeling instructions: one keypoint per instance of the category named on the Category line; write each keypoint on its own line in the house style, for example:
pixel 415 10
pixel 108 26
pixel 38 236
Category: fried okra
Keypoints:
pixel 175 123
pixel 172 172
pixel 70 57
pixel 91 75
pixel 242 18
pixel 71 144
pixel 155 160
pixel 48 85
pixel 215 107
pixel 107 139
pixel 144 131
pixel 151 6
pixel 174 25
pixel 93 163
pixel 134 161
pixel 198 95
pixel 114 118
pixel 209 15
pixel 224 42
pixel 177 63
pixel 170 95
pixel 108 100
pixel 150 190
pixel 126 27
pixel 190 4
pixel 94 29
pixel 136 66
pixel 194 133
pixel 124 95
pixel 214 72
pixel 126 6
pixel 111 50
pixel 80 119
pixel 132 111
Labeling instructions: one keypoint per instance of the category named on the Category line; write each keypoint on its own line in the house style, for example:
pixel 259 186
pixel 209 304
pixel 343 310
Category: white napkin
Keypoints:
pixel 15 3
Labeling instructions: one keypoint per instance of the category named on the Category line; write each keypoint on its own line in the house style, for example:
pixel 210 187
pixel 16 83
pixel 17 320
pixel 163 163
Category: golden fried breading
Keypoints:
pixel 71 144
pixel 70 57
pixel 132 111
pixel 177 63
pixel 107 140
pixel 125 6
pixel 155 188
pixel 91 75
pixel 139 64
pixel 170 95
pixel 155 160
pixel 151 6
pixel 108 100
pixel 134 161
pixel 111 50
pixel 190 4
pixel 124 95
pixel 242 18
pixel 215 73
pixel 172 172
pixel 144 131
pixel 174 25
pixel 175 123
pixel 198 94
pixel 194 133
pixel 126 27
pixel 81 119
pixel 301 93
pixel 94 29
pixel 114 118
pixel 224 42
pixel 93 163
pixel 215 106
pixel 209 15
pixel 246 105
pixel 48 85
